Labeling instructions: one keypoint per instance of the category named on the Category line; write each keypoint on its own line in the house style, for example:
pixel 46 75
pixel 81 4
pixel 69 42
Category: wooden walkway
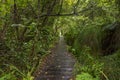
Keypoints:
pixel 59 65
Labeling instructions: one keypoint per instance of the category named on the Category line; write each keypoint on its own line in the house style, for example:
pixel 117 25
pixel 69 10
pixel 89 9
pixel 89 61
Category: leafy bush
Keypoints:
pixel 88 64
pixel 14 73
pixel 85 76
pixel 111 66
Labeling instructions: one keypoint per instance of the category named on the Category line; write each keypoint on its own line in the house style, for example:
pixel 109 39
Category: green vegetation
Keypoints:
pixel 30 28
pixel 85 76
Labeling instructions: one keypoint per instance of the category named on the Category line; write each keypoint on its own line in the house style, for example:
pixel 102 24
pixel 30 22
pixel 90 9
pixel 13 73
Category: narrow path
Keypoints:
pixel 59 66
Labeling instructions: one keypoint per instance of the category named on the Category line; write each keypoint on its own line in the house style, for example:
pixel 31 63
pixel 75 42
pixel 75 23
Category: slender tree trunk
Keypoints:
pixel 15 19
pixel 39 10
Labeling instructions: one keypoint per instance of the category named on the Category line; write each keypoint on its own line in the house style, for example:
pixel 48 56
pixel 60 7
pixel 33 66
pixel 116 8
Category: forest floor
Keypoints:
pixel 59 65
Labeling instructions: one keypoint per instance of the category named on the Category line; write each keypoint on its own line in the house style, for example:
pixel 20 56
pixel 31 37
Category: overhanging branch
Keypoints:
pixel 67 14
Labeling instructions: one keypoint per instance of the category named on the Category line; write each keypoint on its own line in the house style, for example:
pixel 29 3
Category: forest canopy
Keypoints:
pixel 29 29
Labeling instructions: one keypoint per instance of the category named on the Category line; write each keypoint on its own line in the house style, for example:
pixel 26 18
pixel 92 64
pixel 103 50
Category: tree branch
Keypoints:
pixel 67 14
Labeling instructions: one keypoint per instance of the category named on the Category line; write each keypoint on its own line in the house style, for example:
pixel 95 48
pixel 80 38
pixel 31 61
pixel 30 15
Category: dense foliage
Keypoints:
pixel 29 28
pixel 26 33
pixel 92 36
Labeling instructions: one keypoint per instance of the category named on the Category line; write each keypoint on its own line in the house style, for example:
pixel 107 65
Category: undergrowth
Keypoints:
pixel 89 67
pixel 111 66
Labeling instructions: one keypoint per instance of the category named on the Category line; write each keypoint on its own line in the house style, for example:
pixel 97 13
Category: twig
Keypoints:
pixel 104 75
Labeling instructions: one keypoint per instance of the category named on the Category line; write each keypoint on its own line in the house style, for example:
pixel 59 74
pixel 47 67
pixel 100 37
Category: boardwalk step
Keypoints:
pixel 52 77
pixel 63 69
